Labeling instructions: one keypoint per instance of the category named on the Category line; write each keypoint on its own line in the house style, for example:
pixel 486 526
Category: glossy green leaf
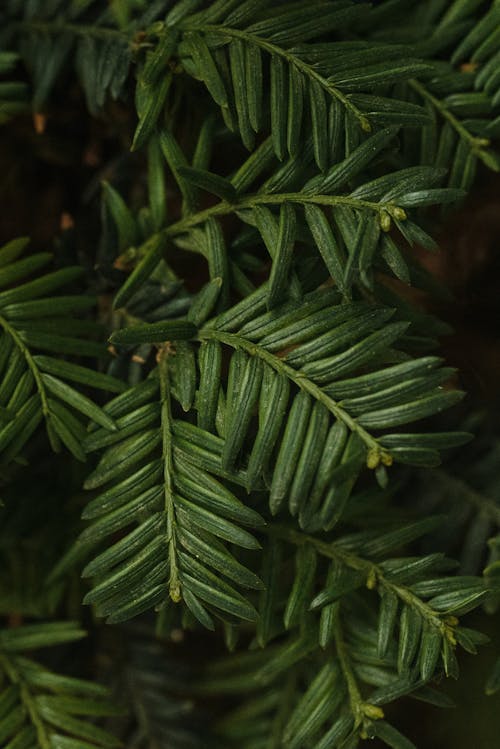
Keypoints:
pixel 74 399
pixel 209 182
pixel 283 255
pixel 150 100
pixel 207 68
pixel 170 330
pixel 410 625
pixel 303 585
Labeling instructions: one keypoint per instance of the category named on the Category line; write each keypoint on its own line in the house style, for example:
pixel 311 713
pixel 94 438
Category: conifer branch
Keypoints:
pixel 476 143
pixel 27 700
pixel 19 343
pixel 377 455
pixel 373 574
pixel 289 57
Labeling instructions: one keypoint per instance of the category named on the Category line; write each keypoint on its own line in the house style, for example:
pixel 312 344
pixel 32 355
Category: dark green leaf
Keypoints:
pixel 170 330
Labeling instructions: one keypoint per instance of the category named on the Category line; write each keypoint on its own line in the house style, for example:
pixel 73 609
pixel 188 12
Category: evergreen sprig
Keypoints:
pixel 261 382
pixel 41 708
pixel 34 386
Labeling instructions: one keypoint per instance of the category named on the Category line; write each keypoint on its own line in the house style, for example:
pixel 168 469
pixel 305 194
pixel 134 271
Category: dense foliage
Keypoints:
pixel 262 439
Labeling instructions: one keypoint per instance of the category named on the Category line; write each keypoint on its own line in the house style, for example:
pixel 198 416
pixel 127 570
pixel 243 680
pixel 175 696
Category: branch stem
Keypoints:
pixel 475 143
pixel 168 489
pixel 62 27
pixel 373 571
pixel 292 60
pixel 19 343
pixel 355 699
pixel 299 379
pixel 225 208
